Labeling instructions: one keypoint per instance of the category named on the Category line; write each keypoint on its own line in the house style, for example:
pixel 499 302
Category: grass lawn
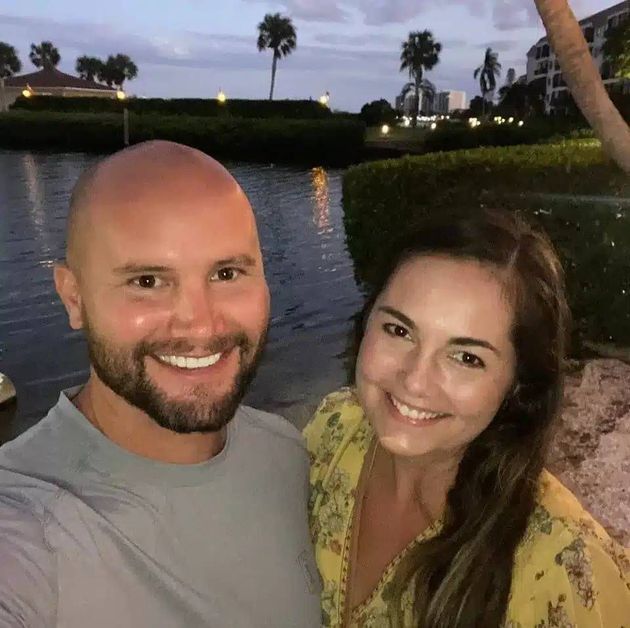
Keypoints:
pixel 398 137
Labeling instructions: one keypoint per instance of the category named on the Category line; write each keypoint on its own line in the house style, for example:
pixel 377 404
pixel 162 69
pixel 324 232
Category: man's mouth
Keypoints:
pixel 415 413
pixel 189 362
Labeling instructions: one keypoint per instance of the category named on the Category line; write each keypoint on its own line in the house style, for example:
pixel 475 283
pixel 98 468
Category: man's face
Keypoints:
pixel 174 301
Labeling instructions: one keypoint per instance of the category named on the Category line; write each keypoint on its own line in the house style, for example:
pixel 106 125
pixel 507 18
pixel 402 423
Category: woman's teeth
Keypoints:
pixel 414 413
pixel 184 362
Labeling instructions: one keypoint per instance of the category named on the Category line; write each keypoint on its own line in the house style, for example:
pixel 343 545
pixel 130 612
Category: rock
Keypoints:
pixel 7 389
pixel 591 450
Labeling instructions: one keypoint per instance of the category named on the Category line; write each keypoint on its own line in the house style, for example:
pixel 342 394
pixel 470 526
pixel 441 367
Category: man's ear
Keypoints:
pixel 67 286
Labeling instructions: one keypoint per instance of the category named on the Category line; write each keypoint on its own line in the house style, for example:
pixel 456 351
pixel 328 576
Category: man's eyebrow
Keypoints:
pixel 238 260
pixel 405 320
pixel 144 269
pixel 141 269
pixel 473 342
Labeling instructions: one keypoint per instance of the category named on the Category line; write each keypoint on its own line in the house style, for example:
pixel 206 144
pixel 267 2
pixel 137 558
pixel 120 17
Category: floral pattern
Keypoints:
pixel 567 574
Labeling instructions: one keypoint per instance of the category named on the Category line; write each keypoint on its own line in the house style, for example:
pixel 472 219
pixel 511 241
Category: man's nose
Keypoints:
pixel 197 310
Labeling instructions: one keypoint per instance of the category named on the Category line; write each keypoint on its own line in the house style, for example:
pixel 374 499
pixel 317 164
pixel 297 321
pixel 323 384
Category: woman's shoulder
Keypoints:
pixel 568 564
pixel 338 418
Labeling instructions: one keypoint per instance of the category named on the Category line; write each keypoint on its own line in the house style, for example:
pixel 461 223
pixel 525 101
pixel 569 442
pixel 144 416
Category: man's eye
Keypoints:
pixel 226 274
pixel 396 330
pixel 146 282
pixel 469 359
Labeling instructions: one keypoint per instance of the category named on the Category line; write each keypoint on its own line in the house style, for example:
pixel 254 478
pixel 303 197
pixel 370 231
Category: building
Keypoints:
pixel 544 70
pixel 449 101
pixel 52 82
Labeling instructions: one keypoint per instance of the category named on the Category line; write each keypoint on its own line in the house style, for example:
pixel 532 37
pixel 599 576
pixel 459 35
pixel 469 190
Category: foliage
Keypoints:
pixel 9 61
pixel 616 49
pixel 89 68
pixel 488 72
pixel 522 100
pixel 117 69
pixel 288 109
pixel 382 200
pixel 378 112
pixel 45 55
pixel 305 142
pixel 277 33
pixel 419 53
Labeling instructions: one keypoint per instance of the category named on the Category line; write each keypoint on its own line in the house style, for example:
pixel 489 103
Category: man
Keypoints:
pixel 150 497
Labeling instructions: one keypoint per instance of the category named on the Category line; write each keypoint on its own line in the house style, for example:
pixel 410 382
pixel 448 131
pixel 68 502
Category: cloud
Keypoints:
pixel 500 45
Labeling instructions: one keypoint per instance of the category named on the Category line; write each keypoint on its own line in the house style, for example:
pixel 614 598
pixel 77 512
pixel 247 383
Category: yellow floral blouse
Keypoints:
pixel 568 573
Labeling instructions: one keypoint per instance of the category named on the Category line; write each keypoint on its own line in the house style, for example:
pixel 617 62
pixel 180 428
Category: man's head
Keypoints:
pixel 164 274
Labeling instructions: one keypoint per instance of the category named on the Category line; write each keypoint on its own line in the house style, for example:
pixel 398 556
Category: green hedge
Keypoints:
pixel 306 142
pixel 569 188
pixel 460 135
pixel 287 109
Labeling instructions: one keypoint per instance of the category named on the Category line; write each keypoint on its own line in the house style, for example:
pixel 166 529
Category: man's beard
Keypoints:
pixel 126 375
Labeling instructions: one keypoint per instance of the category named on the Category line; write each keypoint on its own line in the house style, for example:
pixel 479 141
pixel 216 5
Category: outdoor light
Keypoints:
pixel 521 123
pixel 385 129
pixel 433 126
pixel 221 97
pixel 324 99
pixel 510 120
pixel 27 92
pixel 121 95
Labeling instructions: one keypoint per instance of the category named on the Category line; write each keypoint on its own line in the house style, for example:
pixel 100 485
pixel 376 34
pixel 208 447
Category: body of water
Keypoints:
pixel 310 274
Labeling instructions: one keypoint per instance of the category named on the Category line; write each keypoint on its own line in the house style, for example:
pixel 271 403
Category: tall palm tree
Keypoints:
pixel 88 67
pixel 419 53
pixel 9 65
pixel 45 55
pixel 584 81
pixel 427 89
pixel 278 33
pixel 487 73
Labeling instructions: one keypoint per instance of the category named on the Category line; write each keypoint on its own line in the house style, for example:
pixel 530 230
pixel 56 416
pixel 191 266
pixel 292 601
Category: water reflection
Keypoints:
pixel 321 207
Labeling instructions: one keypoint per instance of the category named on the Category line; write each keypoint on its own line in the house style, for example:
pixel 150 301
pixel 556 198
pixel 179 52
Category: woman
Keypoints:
pixel 430 505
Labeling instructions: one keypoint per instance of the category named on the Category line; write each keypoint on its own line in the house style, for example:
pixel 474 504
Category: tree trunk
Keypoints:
pixel 274 63
pixel 583 80
pixel 3 100
pixel 416 101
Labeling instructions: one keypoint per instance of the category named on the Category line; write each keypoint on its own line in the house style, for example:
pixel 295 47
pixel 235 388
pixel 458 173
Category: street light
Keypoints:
pixel 221 97
pixel 324 99
pixel 385 129
pixel 27 93
pixel 120 94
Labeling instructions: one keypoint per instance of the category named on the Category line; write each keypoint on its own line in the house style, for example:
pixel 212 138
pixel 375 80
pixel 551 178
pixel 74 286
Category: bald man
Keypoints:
pixel 150 497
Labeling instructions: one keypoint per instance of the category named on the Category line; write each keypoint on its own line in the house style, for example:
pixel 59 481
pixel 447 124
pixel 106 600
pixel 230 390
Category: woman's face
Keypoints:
pixel 437 358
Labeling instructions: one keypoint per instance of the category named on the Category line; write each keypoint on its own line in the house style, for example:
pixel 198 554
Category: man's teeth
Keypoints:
pixel 190 363
pixel 414 413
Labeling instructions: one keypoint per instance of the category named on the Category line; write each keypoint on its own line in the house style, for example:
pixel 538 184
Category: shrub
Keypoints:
pixel 287 109
pixel 569 188
pixel 307 142
pixel 378 112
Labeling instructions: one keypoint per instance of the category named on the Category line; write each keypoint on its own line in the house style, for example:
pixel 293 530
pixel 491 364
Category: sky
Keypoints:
pixel 350 48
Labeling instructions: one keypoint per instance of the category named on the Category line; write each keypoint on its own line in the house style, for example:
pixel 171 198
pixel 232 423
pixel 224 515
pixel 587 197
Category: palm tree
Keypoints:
pixel 9 65
pixel 487 73
pixel 88 67
pixel 426 88
pixel 45 55
pixel 419 53
pixel 584 81
pixel 117 69
pixel 278 33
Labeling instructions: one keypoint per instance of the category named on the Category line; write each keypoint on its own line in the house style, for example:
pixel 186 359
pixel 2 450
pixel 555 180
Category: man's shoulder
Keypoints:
pixel 273 425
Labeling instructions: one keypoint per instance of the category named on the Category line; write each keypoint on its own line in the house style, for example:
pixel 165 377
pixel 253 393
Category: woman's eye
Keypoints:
pixel 226 274
pixel 146 282
pixel 396 330
pixel 469 359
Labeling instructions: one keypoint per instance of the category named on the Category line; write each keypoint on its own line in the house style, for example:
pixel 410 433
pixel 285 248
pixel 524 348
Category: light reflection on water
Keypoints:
pixel 310 274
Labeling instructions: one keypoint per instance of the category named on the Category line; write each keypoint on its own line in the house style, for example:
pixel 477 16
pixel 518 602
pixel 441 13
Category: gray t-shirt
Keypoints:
pixel 93 536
